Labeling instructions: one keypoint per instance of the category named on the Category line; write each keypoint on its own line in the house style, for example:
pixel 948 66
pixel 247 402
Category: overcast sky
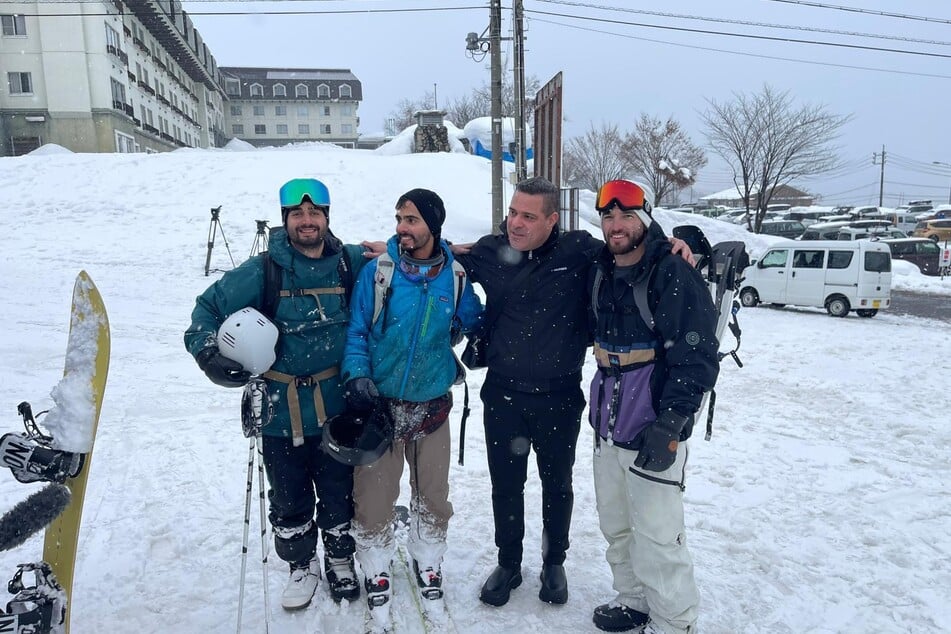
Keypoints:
pixel 615 66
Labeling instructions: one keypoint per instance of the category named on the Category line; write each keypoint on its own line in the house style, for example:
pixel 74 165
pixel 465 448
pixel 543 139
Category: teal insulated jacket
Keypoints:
pixel 407 352
pixel 310 341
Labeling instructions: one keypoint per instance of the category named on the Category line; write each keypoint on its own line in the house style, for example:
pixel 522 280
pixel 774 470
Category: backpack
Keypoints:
pixel 274 282
pixel 721 266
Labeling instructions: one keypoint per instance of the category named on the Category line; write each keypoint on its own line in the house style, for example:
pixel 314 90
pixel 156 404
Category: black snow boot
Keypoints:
pixel 615 617
pixel 554 584
pixel 496 589
pixel 342 578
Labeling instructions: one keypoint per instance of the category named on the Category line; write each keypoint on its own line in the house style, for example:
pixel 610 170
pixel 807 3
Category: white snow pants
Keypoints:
pixel 641 514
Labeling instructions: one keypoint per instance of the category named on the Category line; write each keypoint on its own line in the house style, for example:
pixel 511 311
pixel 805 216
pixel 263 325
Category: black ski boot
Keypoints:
pixel 342 578
pixel 615 617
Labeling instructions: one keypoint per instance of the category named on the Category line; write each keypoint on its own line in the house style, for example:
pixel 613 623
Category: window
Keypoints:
pixel 232 87
pixel 280 111
pixel 124 143
pixel 13 24
pixel 323 90
pixel 346 110
pixel 325 128
pixel 260 128
pixel 878 262
pixel 279 90
pixel 118 94
pixel 20 83
pixel 346 128
pixel 282 128
pixel 237 129
pixel 345 91
pixel 840 259
pixel 326 111
pixel 807 259
pixel 257 90
pixel 303 128
pixel 258 111
pixel 301 91
pixel 774 259
pixel 928 248
pixel 302 111
pixel 235 111
pixel 112 41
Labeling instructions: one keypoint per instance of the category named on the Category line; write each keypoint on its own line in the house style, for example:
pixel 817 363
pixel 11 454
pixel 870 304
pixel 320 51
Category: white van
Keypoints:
pixel 904 220
pixel 838 276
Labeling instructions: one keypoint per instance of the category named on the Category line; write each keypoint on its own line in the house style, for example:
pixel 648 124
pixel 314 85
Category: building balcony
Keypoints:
pixel 163 100
pixel 131 76
pixel 144 86
pixel 118 105
pixel 129 110
pixel 149 128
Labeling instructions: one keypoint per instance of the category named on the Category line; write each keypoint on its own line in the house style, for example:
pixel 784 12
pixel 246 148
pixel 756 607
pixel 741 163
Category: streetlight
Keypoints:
pixel 943 164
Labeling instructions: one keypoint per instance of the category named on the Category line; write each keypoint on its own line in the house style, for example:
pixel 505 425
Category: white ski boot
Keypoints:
pixel 301 585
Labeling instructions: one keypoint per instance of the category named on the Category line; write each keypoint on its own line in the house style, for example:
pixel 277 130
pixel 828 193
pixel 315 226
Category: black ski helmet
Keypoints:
pixel 357 438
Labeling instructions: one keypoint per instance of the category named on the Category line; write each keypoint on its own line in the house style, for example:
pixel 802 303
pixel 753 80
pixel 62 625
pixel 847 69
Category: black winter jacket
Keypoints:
pixel 538 342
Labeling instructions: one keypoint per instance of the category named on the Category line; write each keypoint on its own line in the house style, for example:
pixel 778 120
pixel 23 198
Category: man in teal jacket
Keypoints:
pixel 304 384
pixel 402 361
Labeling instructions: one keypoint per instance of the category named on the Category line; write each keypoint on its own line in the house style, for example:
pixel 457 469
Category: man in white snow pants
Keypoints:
pixel 651 376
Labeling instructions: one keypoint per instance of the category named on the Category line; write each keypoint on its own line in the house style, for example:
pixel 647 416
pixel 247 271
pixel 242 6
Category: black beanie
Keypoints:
pixel 430 207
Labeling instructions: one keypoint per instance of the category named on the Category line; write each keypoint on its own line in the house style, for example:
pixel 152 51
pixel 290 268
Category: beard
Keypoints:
pixel 634 240
pixel 309 240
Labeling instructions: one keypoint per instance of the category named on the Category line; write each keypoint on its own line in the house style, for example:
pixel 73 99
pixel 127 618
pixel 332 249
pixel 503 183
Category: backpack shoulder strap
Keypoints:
pixel 273 280
pixel 381 284
pixel 345 273
pixel 458 284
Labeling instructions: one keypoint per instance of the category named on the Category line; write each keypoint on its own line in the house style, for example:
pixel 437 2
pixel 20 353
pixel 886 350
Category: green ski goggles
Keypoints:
pixel 296 191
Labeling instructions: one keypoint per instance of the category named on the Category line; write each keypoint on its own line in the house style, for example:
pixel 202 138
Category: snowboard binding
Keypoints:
pixel 31 456
pixel 35 609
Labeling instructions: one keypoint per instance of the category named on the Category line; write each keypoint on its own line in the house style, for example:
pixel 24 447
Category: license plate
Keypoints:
pixel 876 303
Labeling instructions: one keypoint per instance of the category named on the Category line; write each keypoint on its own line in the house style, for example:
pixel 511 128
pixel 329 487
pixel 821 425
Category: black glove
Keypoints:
pixel 361 394
pixel 455 332
pixel 659 442
pixel 220 369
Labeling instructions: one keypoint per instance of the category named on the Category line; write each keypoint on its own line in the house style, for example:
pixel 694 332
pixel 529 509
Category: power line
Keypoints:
pixel 757 55
pixel 886 14
pixel 767 38
pixel 767 25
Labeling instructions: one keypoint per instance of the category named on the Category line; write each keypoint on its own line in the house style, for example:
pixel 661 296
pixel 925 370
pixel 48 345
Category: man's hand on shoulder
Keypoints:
pixel 679 247
pixel 373 249
pixel 461 249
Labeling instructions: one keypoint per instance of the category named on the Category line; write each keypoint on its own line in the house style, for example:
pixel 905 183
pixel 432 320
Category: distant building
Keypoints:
pixel 107 76
pixel 277 106
pixel 784 194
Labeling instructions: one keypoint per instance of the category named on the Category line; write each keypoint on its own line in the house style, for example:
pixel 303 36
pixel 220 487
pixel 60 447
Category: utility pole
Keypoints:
pixel 495 50
pixel 519 76
pixel 881 182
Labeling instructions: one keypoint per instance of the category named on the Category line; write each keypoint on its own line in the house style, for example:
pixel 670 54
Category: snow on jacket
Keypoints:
pixel 668 367
pixel 407 351
pixel 538 342
pixel 308 343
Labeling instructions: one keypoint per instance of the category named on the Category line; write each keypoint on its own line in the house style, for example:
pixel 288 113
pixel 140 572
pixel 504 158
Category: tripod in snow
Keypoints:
pixel 213 229
pixel 260 239
pixel 256 412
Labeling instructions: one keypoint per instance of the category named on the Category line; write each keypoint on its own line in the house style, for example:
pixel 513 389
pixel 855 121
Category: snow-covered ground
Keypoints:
pixel 822 503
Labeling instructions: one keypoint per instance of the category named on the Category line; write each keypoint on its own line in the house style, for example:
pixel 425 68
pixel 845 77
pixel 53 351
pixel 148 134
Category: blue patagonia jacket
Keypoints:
pixel 407 351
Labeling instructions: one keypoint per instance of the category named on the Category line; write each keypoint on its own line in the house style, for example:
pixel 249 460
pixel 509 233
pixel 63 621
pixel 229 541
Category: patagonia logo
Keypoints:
pixel 559 269
pixel 443 298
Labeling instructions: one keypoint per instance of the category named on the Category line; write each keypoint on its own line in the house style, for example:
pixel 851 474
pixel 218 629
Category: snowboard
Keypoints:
pixel 86 369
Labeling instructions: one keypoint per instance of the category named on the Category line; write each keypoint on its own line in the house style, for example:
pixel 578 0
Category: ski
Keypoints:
pixel 61 455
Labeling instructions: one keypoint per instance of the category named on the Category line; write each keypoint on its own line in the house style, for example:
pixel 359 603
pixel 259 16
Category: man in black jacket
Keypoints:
pixel 532 391
pixel 656 348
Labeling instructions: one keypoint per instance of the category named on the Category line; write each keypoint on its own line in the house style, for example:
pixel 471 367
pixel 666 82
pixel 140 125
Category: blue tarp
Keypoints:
pixel 480 150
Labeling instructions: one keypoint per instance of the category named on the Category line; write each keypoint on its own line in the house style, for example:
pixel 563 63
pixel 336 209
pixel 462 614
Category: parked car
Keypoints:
pixel 807 218
pixel 937 230
pixel 921 252
pixel 903 219
pixel 840 276
pixel 782 228
pixel 868 233
pixel 824 230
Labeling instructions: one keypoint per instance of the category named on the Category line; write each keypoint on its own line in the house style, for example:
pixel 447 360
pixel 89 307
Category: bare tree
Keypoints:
pixel 402 116
pixel 590 160
pixel 769 143
pixel 662 154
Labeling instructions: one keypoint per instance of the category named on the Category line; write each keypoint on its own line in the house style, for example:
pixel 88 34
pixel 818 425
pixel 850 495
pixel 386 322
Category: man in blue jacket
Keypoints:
pixel 304 383
pixel 399 357
pixel 656 348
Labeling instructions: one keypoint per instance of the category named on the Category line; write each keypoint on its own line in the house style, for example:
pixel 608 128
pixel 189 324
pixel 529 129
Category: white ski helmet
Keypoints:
pixel 249 338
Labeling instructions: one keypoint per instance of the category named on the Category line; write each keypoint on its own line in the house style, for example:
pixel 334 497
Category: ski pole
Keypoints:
pixel 244 541
pixel 264 543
